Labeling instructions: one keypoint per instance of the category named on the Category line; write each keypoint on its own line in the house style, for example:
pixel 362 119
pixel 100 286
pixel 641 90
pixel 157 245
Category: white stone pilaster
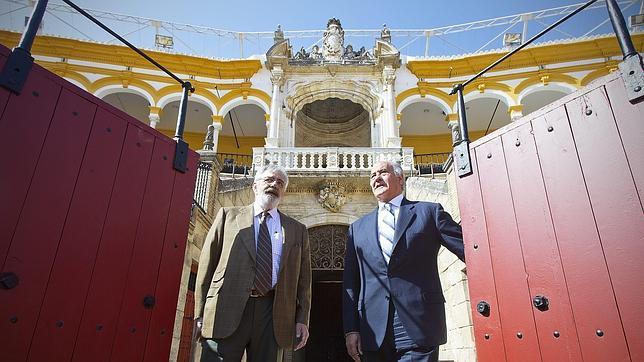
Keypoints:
pixel 154 119
pixel 390 128
pixel 272 124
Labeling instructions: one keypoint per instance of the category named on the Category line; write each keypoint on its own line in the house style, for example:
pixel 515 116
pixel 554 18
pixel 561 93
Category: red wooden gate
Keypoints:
pixel 554 209
pixel 93 222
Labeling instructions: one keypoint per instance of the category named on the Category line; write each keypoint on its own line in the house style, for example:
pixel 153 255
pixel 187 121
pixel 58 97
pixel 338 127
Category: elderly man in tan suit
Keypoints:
pixel 253 290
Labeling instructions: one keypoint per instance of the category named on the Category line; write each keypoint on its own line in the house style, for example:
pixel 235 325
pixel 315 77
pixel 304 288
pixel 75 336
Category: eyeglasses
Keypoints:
pixel 270 180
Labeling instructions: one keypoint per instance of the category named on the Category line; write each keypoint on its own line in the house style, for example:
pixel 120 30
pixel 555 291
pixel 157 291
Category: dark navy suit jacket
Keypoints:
pixel 410 280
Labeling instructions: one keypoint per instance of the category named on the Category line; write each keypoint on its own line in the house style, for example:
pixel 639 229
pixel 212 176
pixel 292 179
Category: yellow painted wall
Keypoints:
pixel 227 144
pixel 435 143
pixel 195 140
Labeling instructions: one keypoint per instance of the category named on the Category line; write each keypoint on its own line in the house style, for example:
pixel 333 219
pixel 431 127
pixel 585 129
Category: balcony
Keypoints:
pixel 324 160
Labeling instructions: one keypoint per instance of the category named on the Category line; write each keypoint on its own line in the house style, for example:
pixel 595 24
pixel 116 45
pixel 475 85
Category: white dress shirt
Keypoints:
pixel 395 209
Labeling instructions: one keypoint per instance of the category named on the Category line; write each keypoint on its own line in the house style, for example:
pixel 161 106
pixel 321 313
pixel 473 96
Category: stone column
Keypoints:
pixel 277 78
pixel 390 128
pixel 516 112
pixel 154 116
pixel 212 136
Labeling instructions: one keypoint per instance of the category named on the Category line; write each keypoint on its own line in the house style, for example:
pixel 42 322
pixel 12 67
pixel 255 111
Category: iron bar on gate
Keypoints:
pixel 631 68
pixel 16 69
pixel 18 65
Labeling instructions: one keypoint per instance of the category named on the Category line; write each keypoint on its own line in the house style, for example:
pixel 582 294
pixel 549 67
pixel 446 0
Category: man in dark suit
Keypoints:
pixel 393 304
pixel 253 289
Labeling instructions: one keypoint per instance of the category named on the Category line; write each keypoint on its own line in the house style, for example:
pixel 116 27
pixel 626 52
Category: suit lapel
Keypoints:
pixel 288 242
pixel 405 217
pixel 247 230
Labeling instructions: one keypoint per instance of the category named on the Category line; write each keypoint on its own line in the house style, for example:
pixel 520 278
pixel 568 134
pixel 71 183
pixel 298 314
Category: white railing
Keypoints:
pixel 331 159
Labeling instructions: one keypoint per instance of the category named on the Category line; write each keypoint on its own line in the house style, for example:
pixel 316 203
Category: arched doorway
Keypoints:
pixel 326 342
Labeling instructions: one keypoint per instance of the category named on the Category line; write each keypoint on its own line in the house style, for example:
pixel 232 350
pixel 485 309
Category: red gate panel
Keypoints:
pixel 518 328
pixel 98 326
pixel 25 121
pixel 487 325
pixel 60 315
pixel 94 219
pixel 561 200
pixel 629 123
pixel 144 265
pixel 555 323
pixel 35 240
pixel 174 248
pixel 618 215
pixel 581 253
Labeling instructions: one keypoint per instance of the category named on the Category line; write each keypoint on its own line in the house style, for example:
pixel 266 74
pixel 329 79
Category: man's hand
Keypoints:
pixel 302 335
pixel 354 347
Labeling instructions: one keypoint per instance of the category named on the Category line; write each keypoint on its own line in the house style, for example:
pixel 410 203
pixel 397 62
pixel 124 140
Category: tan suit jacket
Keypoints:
pixel 227 271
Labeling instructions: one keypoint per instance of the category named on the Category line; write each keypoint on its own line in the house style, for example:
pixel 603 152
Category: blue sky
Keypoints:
pixel 250 16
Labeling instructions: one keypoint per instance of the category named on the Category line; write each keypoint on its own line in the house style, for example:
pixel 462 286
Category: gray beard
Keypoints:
pixel 267 201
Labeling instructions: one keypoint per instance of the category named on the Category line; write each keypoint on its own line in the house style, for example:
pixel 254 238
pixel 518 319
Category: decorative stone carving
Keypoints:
pixel 456 131
pixel 385 33
pixel 208 143
pixel 333 48
pixel 332 196
pixel 388 75
pixel 278 35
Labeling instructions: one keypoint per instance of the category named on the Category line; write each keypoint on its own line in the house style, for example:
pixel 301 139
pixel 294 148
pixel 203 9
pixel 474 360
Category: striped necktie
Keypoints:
pixel 386 231
pixel 264 260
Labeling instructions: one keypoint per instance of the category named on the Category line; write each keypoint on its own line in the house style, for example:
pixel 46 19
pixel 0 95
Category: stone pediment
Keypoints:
pixel 279 53
pixel 387 53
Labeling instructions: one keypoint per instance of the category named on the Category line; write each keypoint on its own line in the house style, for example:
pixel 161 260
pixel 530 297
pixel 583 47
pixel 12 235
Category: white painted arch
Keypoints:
pixel 489 93
pixel 173 97
pixel 115 88
pixel 241 101
pixel 427 99
pixel 553 86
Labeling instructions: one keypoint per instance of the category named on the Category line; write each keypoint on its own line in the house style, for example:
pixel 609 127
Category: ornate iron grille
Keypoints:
pixel 328 244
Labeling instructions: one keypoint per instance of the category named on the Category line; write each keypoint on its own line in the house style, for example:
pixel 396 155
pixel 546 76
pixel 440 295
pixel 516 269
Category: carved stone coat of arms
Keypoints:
pixel 332 197
pixel 333 48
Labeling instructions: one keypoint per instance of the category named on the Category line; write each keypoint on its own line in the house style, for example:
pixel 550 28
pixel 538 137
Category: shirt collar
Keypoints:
pixel 396 201
pixel 257 211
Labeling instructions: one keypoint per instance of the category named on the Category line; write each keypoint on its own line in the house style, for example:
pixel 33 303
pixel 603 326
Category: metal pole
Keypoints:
pixel 462 115
pixel 27 39
pixel 621 31
pixel 461 153
pixel 17 67
pixel 524 34
pixel 631 69
pixel 241 45
pixel 427 35
pixel 183 108
pixel 181 150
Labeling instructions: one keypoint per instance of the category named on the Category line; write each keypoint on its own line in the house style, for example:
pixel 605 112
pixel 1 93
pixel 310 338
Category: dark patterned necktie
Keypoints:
pixel 264 259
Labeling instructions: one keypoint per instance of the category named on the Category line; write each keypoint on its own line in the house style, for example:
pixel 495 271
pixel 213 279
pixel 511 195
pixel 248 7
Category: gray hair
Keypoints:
pixel 273 169
pixel 398 170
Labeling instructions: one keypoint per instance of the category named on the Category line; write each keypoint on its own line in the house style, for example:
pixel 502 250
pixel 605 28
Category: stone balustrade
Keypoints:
pixel 331 159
